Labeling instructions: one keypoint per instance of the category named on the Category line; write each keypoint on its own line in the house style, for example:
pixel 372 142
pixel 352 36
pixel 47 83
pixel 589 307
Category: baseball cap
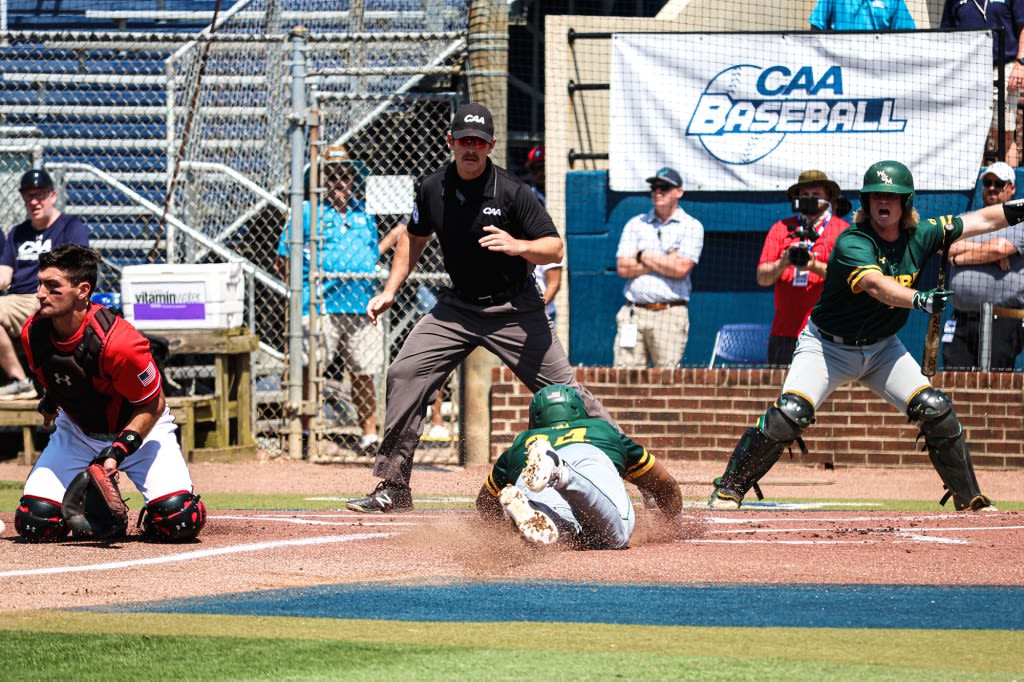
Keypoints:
pixel 36 179
pixel 535 156
pixel 1001 170
pixel 473 120
pixel 666 174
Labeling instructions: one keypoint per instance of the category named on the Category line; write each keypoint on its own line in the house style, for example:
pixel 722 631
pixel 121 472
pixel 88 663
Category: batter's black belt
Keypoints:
pixel 843 341
pixel 659 306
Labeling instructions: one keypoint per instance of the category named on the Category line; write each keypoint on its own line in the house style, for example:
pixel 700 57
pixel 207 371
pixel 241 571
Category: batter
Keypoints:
pixel 870 288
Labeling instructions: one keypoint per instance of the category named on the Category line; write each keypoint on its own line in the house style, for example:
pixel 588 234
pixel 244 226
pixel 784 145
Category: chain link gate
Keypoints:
pixel 173 148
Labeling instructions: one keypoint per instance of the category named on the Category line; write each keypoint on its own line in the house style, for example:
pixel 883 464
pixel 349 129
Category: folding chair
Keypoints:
pixel 743 344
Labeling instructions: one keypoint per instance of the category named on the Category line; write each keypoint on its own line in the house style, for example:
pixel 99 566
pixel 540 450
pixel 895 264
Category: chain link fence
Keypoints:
pixel 175 148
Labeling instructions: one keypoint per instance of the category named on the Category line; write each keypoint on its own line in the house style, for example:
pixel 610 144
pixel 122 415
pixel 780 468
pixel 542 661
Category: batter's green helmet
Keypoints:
pixel 556 404
pixel 891 177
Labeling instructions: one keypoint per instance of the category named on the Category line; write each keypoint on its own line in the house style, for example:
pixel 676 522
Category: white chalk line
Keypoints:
pixel 193 555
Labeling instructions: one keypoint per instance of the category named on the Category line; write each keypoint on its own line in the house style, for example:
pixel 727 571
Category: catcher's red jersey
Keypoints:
pixel 99 373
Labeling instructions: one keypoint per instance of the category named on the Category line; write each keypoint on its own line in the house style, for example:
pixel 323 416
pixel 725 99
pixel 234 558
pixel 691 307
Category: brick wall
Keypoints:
pixel 698 414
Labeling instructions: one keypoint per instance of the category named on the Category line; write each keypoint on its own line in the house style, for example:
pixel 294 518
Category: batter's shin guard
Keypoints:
pixel 753 457
pixel 952 461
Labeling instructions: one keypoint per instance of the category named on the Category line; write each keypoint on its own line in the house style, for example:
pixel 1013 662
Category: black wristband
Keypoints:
pixel 1014 211
pixel 639 256
pixel 129 440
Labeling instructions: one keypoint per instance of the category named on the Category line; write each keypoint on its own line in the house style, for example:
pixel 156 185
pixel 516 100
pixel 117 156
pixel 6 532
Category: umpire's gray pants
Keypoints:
pixel 518 332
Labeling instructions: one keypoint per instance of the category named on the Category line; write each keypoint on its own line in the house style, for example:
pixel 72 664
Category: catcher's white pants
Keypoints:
pixel 156 469
pixel 589 498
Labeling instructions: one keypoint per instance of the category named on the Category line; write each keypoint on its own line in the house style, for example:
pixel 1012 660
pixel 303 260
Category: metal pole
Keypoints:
pixel 488 84
pixel 985 337
pixel 297 138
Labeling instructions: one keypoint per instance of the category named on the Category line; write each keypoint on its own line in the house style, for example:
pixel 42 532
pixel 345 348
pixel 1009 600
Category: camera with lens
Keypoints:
pixel 800 253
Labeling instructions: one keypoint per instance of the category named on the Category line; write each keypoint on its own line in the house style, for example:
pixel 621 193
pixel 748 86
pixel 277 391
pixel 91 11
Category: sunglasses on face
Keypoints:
pixel 991 182
pixel 661 188
pixel 475 142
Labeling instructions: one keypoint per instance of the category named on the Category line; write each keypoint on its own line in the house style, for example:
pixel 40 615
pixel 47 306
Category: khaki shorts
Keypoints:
pixel 15 309
pixel 358 342
pixel 1012 98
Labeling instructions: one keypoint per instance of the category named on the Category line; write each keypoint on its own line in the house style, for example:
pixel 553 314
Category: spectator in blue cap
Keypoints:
pixel 44 229
pixel 657 252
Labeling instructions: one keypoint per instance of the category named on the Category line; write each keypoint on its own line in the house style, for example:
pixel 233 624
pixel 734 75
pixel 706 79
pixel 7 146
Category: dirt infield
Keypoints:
pixel 443 541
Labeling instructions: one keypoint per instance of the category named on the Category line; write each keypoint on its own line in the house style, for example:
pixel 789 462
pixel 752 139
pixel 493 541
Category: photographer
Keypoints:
pixel 794 257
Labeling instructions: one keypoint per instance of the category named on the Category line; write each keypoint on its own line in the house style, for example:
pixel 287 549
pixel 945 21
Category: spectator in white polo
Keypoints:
pixel 657 253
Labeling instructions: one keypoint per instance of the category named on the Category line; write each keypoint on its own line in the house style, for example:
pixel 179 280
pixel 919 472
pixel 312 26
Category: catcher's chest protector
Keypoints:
pixel 68 375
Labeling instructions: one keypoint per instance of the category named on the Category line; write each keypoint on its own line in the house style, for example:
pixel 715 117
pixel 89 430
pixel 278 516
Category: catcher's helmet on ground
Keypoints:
pixel 556 404
pixel 891 177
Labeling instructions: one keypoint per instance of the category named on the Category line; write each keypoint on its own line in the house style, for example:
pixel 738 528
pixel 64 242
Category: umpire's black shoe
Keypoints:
pixel 387 497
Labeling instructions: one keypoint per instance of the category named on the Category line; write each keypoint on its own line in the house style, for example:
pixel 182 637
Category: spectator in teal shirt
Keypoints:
pixel 861 15
pixel 349 245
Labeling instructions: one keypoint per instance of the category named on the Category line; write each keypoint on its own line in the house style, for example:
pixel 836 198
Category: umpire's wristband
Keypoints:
pixel 1014 211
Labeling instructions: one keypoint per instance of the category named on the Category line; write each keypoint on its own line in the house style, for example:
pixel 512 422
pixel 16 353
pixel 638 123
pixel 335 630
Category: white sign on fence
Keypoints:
pixel 751 111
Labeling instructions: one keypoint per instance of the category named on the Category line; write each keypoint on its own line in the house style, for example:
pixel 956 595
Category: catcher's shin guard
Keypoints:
pixel 760 447
pixel 39 520
pixel 173 518
pixel 947 450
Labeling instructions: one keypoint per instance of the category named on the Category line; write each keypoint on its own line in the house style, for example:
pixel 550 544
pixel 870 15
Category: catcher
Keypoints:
pixel 103 393
pixel 561 480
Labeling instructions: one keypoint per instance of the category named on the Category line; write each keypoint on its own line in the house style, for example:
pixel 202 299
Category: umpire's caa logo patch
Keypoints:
pixel 492 211
pixel 473 118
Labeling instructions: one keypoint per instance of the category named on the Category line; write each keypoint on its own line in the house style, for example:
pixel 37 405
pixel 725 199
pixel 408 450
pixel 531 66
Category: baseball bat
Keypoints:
pixel 931 339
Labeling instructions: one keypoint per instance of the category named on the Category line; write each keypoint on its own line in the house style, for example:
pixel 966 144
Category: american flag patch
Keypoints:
pixel 148 375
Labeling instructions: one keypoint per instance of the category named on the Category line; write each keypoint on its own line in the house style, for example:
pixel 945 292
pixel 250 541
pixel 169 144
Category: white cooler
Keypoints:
pixel 180 296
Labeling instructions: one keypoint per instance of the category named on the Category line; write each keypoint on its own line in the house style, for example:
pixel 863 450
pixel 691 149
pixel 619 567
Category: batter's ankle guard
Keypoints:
pixel 753 457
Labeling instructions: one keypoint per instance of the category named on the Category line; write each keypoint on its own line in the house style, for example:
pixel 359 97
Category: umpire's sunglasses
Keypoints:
pixel 472 142
pixel 992 182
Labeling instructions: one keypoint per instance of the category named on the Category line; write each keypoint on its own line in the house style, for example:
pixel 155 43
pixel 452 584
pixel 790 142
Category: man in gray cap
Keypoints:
pixel 657 252
pixel 989 269
pixel 45 229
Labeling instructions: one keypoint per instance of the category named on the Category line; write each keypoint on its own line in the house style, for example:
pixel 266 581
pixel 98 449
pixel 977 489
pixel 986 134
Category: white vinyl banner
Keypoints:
pixel 750 111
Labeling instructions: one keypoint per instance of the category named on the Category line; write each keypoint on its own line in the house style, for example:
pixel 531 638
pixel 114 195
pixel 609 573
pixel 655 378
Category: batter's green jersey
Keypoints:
pixel 844 310
pixel 629 457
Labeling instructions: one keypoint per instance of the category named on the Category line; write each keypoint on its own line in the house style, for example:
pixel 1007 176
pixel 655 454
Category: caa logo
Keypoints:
pixel 746 111
pixel 492 211
pixel 473 118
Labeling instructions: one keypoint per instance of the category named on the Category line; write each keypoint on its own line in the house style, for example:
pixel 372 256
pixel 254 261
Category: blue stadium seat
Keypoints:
pixel 741 344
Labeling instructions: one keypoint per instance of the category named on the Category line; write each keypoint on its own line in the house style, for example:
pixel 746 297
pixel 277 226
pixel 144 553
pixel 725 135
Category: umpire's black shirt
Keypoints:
pixel 457 210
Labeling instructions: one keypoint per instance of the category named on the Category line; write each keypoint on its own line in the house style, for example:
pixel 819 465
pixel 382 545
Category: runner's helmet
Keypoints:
pixel 556 404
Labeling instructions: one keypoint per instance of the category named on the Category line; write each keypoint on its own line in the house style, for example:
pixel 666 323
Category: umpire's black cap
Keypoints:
pixel 36 179
pixel 473 120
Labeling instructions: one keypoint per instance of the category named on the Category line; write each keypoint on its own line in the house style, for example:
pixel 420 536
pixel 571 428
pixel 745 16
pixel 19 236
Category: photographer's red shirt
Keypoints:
pixel 797 291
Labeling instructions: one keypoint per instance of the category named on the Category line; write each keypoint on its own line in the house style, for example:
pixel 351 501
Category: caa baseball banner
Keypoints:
pixel 750 111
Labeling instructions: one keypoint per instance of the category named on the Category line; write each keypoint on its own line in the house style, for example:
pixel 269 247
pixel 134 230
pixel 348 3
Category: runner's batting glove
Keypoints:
pixel 933 301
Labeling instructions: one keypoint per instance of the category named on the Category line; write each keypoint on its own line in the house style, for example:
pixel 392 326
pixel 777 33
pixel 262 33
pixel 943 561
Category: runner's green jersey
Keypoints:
pixel 843 309
pixel 629 457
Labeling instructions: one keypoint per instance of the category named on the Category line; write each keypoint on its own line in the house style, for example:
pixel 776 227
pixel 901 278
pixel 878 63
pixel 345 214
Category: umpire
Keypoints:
pixel 492 231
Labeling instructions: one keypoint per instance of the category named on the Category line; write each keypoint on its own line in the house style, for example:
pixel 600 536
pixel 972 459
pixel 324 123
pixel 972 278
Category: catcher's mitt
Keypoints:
pixel 92 505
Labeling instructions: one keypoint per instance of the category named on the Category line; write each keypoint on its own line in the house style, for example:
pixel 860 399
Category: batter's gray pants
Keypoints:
pixel 518 332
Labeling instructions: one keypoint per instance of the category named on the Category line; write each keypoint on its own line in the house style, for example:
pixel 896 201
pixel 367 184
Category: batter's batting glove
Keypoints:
pixel 933 301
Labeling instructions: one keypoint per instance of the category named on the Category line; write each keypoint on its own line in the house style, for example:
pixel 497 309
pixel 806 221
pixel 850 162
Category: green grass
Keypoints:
pixel 163 646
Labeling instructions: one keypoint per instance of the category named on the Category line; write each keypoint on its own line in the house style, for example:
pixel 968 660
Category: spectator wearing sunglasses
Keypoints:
pixel 657 252
pixel 989 269
pixel 492 231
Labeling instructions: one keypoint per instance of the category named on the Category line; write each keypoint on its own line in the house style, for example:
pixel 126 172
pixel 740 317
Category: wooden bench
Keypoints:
pixel 188 411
